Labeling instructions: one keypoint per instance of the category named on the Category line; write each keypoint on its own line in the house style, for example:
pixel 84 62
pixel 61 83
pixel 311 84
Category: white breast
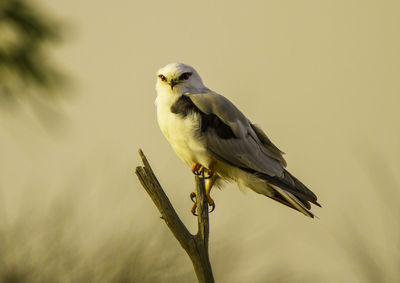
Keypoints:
pixel 182 133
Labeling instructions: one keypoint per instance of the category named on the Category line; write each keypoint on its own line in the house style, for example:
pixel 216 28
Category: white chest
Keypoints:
pixel 182 133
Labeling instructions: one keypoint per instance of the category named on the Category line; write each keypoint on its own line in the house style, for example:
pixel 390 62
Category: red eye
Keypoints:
pixel 185 76
pixel 164 79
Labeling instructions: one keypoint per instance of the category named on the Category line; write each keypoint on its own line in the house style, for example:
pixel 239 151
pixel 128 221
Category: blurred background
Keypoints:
pixel 77 100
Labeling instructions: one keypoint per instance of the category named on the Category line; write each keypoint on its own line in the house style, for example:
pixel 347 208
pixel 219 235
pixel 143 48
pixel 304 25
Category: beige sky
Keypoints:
pixel 320 77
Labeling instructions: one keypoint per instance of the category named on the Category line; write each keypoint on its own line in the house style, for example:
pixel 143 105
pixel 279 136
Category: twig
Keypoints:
pixel 196 246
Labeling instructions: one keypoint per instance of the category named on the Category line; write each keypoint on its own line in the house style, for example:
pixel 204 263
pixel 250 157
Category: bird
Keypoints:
pixel 217 141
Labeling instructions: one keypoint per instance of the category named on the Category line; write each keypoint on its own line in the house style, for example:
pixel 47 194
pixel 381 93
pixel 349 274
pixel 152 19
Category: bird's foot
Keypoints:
pixel 195 168
pixel 194 207
pixel 200 170
pixel 194 200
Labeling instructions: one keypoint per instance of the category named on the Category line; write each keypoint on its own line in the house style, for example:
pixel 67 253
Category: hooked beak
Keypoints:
pixel 173 83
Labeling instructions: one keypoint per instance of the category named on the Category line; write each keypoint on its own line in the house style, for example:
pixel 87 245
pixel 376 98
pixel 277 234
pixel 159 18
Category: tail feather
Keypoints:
pixel 277 196
pixel 292 185
pixel 294 202
pixel 289 191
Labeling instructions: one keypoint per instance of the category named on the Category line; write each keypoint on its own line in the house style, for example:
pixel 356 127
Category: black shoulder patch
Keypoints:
pixel 214 122
pixel 184 106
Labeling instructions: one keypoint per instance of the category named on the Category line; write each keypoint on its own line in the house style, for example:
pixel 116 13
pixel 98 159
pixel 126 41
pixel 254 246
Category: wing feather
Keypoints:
pixel 232 138
pixel 243 153
pixel 245 149
pixel 213 103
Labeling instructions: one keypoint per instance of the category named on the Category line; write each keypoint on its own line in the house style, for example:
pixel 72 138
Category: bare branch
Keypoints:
pixel 160 199
pixel 196 246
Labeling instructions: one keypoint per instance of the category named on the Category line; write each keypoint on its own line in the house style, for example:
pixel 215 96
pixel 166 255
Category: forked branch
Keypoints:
pixel 196 246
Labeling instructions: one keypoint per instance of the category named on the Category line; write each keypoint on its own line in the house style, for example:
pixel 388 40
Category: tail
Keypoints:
pixel 289 191
pixel 289 200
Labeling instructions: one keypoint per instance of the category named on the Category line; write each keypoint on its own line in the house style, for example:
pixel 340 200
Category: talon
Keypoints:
pixel 210 202
pixel 209 186
pixel 212 207
pixel 199 169
pixel 195 168
pixel 194 207
pixel 193 210
pixel 193 197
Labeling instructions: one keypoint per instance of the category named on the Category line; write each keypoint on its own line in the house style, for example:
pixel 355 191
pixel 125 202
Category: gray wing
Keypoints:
pixel 231 137
pixel 247 147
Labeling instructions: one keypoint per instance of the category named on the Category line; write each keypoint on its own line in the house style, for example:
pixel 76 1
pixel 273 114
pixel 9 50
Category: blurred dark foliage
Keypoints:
pixel 25 34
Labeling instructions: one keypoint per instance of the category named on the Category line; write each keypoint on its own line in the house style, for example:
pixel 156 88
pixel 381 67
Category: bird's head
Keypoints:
pixel 179 78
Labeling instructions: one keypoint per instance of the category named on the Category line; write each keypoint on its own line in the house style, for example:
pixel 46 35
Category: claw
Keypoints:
pixel 194 207
pixel 195 168
pixel 193 210
pixel 210 202
pixel 199 170
pixel 212 207
pixel 209 186
pixel 193 196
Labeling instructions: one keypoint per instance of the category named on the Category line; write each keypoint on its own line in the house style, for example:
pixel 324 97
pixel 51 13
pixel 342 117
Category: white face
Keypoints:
pixel 178 78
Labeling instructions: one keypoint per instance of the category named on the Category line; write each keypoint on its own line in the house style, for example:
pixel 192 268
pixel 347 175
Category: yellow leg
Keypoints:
pixel 209 186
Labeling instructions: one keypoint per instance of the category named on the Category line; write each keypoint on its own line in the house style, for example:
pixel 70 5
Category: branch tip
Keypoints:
pixel 140 152
pixel 144 159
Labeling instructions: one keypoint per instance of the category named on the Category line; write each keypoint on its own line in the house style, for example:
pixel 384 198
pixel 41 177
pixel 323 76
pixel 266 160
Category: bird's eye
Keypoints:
pixel 185 76
pixel 164 79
